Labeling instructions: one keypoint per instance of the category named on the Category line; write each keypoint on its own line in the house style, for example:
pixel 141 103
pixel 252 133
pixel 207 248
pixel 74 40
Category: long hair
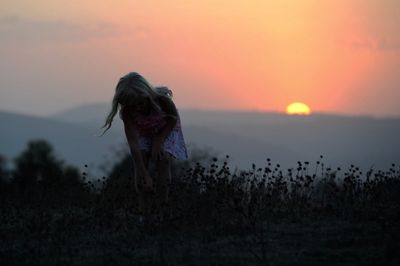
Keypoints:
pixel 130 86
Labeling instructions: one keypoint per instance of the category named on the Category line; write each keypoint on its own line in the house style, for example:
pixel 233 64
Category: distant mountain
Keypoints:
pixel 73 143
pixel 253 136
pixel 90 114
pixel 248 137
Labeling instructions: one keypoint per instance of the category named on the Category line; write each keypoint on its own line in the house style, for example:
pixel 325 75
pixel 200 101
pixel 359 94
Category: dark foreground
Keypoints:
pixel 84 237
pixel 214 217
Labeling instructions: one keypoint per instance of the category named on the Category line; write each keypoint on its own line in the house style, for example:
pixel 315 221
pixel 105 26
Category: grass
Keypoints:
pixel 308 215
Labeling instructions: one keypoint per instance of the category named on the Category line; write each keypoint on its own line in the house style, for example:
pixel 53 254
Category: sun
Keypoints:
pixel 298 108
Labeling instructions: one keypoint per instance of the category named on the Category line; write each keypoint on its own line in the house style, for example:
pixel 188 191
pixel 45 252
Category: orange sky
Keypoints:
pixel 336 56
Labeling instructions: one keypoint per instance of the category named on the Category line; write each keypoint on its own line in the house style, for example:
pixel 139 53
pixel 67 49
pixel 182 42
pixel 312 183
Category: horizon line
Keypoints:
pixel 197 109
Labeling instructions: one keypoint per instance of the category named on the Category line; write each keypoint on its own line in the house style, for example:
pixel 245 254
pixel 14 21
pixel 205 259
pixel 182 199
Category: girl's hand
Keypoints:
pixel 156 151
pixel 148 183
pixel 135 185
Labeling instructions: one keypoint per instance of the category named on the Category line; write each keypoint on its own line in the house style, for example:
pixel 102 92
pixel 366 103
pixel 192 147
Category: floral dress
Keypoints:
pixel 148 125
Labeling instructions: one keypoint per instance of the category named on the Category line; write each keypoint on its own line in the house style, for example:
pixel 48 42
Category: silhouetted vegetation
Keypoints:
pixel 39 178
pixel 307 215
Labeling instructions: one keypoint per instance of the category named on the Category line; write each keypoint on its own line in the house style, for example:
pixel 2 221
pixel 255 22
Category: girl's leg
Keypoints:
pixel 143 197
pixel 163 179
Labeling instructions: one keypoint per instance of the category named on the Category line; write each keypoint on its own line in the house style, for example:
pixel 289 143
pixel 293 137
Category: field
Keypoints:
pixel 216 216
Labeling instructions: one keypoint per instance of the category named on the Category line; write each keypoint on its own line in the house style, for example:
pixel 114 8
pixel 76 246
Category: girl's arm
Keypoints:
pixel 168 106
pixel 132 138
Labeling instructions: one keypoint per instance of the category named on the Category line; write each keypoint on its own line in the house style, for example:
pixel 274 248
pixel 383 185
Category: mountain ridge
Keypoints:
pixel 247 137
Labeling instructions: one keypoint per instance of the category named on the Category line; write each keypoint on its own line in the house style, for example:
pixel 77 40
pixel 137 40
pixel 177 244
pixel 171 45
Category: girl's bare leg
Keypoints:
pixel 144 201
pixel 163 180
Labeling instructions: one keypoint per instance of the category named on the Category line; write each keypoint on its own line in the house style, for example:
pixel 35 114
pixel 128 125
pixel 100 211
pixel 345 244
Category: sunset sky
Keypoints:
pixel 337 56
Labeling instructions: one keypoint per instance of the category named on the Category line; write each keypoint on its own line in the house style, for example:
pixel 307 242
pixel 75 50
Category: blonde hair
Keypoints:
pixel 130 86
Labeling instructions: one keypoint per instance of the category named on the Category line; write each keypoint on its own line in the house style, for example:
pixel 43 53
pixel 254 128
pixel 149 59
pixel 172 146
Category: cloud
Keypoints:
pixel 376 44
pixel 16 29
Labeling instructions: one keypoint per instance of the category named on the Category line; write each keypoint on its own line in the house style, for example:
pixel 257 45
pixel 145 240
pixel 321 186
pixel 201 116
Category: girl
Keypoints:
pixel 153 131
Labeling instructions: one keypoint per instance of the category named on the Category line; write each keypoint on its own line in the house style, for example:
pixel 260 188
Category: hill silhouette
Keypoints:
pixel 248 137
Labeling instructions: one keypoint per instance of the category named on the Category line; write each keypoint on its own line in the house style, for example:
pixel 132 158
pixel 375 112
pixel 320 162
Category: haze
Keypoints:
pixel 339 56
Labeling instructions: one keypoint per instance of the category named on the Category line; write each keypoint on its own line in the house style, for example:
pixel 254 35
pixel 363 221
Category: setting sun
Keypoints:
pixel 298 108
